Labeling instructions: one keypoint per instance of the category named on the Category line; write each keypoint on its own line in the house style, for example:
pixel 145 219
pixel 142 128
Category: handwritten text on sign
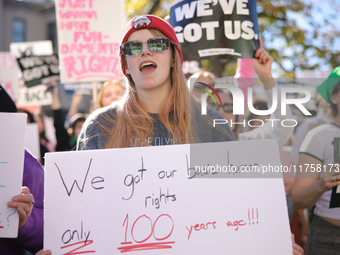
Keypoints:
pixel 12 141
pixel 142 199
pixel 88 33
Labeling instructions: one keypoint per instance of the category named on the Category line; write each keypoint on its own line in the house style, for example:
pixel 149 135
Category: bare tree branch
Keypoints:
pixel 155 6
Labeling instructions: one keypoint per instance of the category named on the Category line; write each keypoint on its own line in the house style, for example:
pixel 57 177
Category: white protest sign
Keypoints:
pixel 88 36
pixel 32 139
pixel 9 77
pixel 37 95
pixel 12 142
pixel 33 48
pixel 143 199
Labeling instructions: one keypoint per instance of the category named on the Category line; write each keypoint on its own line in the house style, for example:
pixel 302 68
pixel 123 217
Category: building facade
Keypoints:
pixel 33 20
pixel 22 21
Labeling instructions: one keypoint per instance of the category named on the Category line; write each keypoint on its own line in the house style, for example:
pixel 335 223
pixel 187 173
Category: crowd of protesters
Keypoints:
pixel 156 102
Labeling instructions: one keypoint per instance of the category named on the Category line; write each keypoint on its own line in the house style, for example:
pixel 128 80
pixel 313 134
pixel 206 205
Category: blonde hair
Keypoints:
pixel 101 91
pixel 133 121
pixel 200 74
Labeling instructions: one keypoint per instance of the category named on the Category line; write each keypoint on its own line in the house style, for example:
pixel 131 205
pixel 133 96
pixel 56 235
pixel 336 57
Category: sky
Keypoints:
pixel 321 10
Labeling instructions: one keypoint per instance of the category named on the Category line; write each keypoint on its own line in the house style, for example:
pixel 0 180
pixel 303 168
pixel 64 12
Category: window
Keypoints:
pixel 19 30
pixel 51 34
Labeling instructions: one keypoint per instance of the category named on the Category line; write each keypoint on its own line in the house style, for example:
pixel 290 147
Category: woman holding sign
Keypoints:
pixel 155 109
pixel 318 172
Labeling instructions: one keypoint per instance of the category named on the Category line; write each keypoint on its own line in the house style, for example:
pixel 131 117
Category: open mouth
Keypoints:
pixel 147 66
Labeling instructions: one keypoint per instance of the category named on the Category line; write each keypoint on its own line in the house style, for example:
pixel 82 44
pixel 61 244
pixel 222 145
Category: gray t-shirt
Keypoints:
pixel 99 125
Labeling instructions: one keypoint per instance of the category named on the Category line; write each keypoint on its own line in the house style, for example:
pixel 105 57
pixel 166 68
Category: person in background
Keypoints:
pixel 323 116
pixel 66 138
pixel 319 173
pixel 44 141
pixel 76 123
pixel 45 144
pixel 29 203
pixel 30 116
pixel 268 130
pixel 110 92
pixel 262 66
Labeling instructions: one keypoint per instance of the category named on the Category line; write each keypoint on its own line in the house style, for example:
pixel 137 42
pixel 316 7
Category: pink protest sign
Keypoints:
pixel 9 78
pixel 88 35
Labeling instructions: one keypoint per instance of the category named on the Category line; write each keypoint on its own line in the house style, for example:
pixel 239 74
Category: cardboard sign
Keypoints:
pixel 88 36
pixel 12 142
pixel 37 95
pixel 34 48
pixel 215 29
pixel 9 76
pixel 146 199
pixel 36 68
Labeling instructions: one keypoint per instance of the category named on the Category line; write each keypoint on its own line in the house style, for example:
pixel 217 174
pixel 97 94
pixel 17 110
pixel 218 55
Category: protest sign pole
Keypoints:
pixel 94 95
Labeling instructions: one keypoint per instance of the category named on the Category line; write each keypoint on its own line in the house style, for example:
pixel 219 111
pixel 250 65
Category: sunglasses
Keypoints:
pixel 133 48
pixel 228 108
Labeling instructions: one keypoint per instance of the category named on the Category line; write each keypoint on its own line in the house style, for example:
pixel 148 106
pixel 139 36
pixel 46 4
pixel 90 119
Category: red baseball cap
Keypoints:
pixel 145 22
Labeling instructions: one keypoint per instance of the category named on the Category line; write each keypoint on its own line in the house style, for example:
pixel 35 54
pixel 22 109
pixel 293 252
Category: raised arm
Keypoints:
pixel 263 67
pixel 273 129
pixel 308 187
